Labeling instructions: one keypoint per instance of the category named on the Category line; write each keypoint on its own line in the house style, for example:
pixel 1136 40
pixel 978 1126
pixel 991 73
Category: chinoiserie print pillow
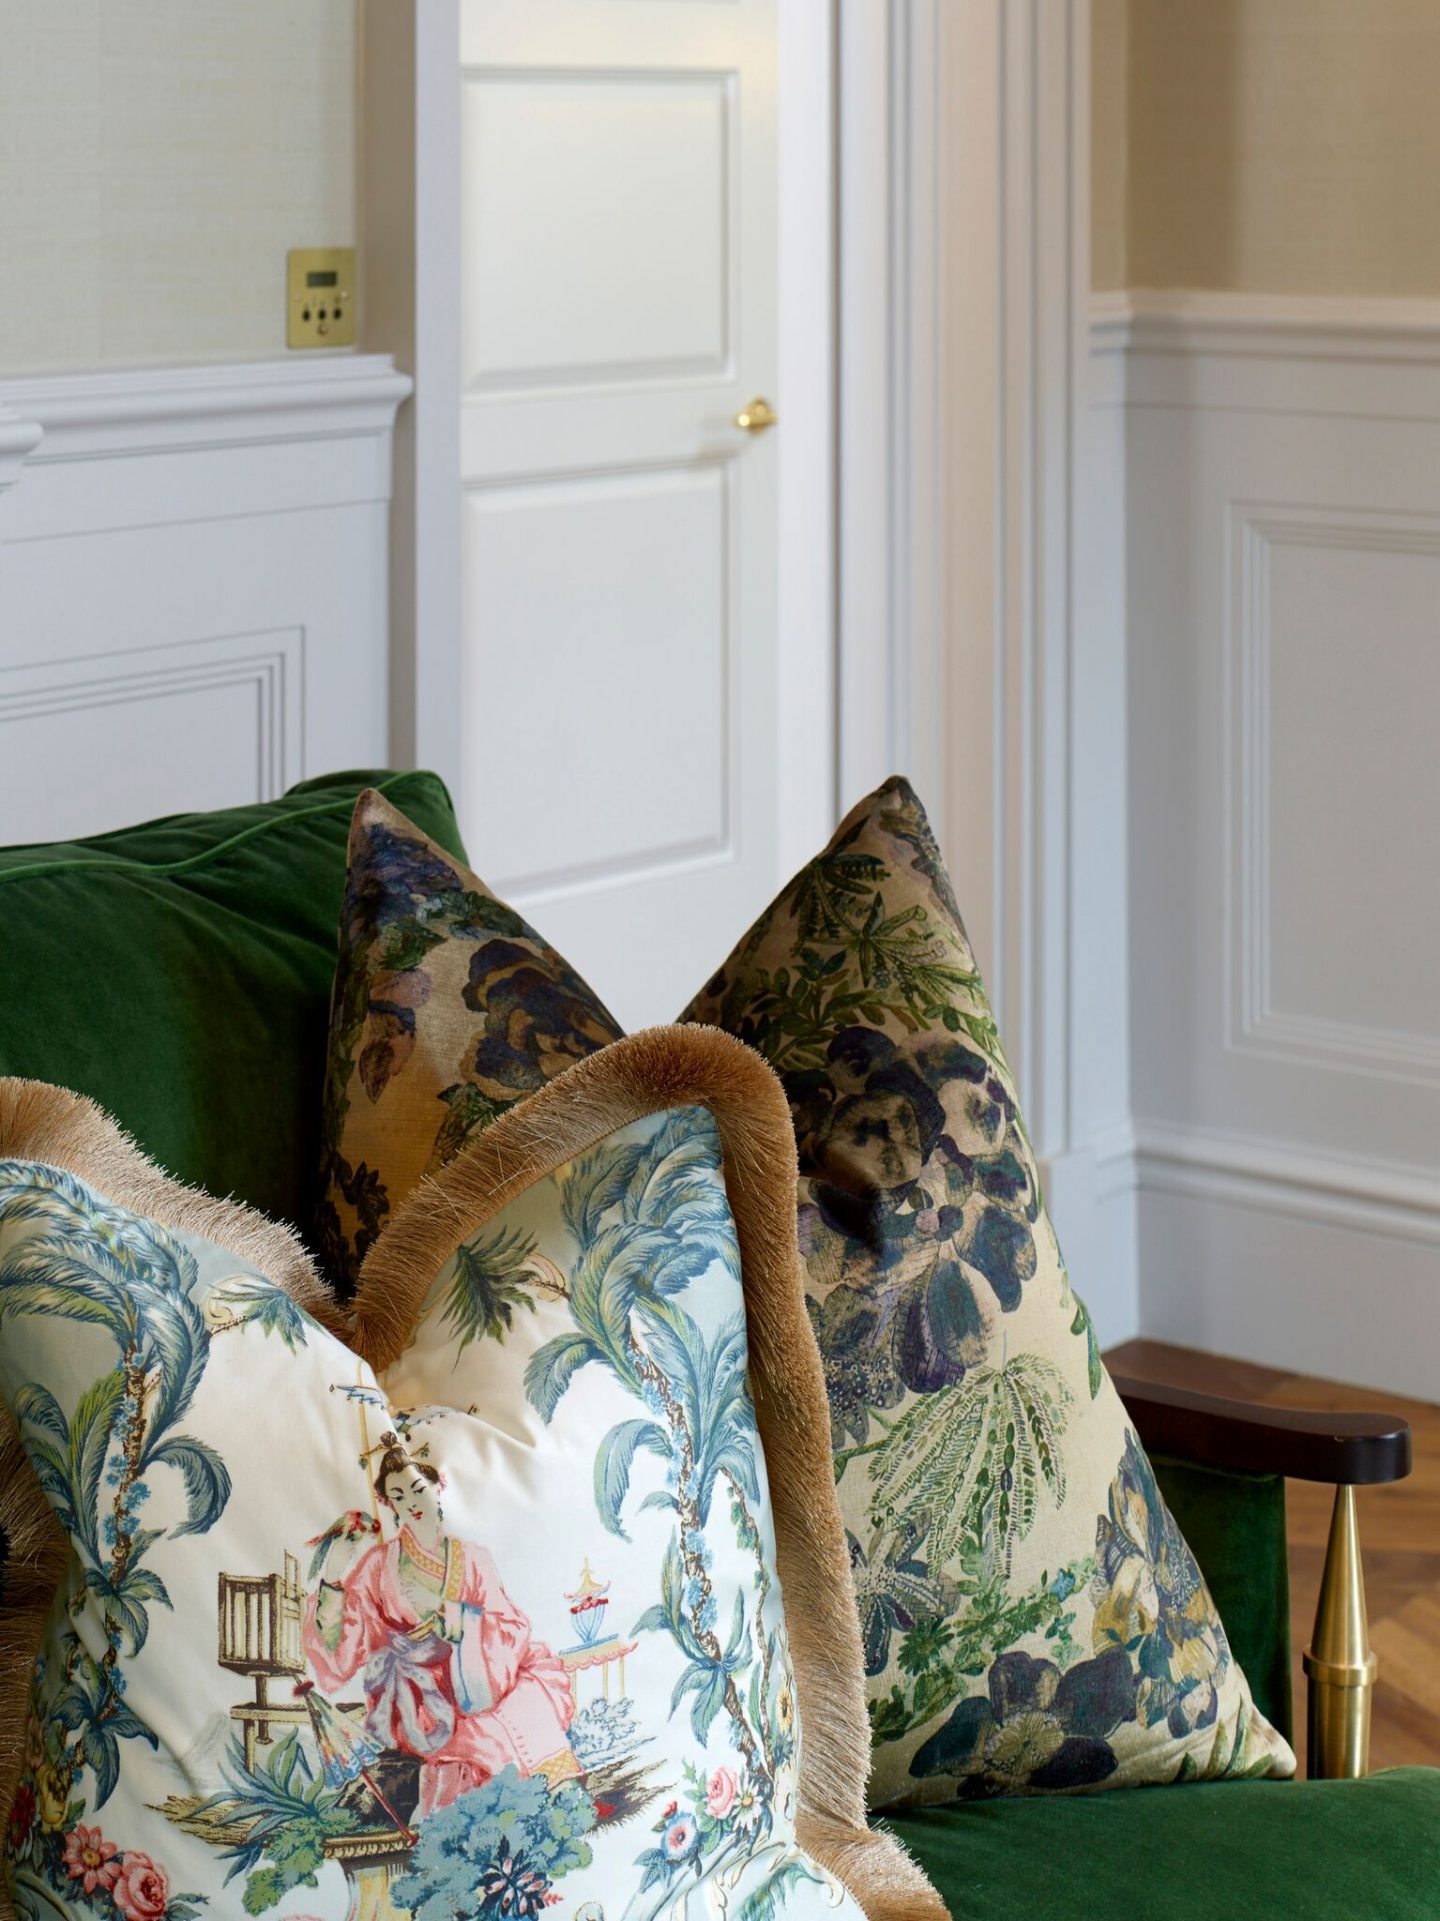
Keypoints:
pixel 1032 1618
pixel 447 1008
pixel 414 1616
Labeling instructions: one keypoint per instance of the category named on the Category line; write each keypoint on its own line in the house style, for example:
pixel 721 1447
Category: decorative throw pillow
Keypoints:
pixel 1032 1617
pixel 179 973
pixel 472 1607
pixel 448 1008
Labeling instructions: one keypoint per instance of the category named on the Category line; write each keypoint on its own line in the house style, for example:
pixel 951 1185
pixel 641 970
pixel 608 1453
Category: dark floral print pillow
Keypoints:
pixel 1031 1616
pixel 448 1008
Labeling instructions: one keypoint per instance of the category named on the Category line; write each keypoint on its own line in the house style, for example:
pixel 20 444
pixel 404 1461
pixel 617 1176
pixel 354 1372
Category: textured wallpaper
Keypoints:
pixel 157 158
pixel 1269 146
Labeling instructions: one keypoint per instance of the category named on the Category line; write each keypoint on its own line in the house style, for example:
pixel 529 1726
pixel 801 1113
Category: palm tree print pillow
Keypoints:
pixel 464 1608
pixel 447 1008
pixel 1032 1618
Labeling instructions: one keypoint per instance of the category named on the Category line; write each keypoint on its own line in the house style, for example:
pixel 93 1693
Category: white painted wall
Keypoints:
pixel 157 159
pixel 1281 560
pixel 192 587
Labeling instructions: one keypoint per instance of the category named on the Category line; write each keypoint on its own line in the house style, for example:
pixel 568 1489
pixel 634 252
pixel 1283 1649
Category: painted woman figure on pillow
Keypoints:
pixel 450 1673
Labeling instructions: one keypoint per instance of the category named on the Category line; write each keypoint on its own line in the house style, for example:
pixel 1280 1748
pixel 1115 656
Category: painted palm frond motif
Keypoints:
pixel 661 1183
pixel 87 1261
pixel 893 1593
pixel 492 1278
pixel 272 1819
pixel 966 1468
pixel 248 1300
pixel 646 1227
pixel 649 1216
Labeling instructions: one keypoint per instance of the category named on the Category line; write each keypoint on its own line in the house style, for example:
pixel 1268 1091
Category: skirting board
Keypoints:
pixel 1316 1263
pixel 1308 1262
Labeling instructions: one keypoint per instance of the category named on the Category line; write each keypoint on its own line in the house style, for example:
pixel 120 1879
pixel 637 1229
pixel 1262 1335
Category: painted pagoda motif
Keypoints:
pixel 594 1649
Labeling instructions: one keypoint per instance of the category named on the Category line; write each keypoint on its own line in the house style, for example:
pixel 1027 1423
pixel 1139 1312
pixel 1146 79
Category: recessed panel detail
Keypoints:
pixel 133 735
pixel 596 216
pixel 597 676
pixel 1337 789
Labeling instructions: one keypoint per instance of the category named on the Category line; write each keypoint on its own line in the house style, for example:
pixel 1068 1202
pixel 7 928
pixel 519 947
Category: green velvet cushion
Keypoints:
pixel 1235 1524
pixel 179 973
pixel 1287 1851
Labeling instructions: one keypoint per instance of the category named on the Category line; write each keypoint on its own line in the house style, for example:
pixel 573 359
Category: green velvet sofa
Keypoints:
pixel 179 973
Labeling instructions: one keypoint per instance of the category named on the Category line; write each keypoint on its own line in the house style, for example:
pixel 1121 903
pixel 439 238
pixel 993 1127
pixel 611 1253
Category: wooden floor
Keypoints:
pixel 1399 1538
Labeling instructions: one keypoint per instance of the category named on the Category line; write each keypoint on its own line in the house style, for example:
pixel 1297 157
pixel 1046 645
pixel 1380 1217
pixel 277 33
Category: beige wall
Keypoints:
pixel 157 158
pixel 1109 78
pixel 1278 146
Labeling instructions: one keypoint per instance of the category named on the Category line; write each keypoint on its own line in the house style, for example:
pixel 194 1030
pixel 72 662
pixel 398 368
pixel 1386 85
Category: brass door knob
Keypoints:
pixel 755 418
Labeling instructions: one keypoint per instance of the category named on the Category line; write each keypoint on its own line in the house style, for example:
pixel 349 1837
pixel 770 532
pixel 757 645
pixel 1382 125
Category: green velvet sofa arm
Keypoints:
pixel 1202 1435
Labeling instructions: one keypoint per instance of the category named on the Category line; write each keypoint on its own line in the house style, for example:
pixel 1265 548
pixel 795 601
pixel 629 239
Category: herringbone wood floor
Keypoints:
pixel 1399 1538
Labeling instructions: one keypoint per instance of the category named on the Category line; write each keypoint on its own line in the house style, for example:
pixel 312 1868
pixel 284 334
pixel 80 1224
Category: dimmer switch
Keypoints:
pixel 320 297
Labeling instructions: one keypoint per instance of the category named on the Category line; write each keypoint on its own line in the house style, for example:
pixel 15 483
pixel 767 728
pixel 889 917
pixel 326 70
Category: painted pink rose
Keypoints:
pixel 720 1795
pixel 142 1890
pixel 90 1860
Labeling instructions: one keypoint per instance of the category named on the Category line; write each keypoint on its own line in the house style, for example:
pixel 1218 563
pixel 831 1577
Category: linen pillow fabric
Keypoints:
pixel 179 973
pixel 490 1617
pixel 1032 1617
pixel 447 1008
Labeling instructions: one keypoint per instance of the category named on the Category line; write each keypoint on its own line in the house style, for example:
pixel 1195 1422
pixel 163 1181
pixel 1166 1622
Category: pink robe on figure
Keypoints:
pixel 466 1707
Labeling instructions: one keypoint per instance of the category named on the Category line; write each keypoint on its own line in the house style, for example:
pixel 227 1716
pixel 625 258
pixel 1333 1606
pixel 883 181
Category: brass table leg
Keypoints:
pixel 1339 1662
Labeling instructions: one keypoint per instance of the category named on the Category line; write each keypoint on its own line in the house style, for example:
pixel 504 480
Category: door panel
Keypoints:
pixel 637 546
pixel 617 268
pixel 620 543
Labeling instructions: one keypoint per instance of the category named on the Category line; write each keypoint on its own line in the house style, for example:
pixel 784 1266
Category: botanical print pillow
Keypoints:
pixel 448 1008
pixel 1032 1618
pixel 445 1632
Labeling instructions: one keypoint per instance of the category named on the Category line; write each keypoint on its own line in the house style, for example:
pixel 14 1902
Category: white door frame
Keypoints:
pixel 963 294
pixel 409 160
pixel 807 659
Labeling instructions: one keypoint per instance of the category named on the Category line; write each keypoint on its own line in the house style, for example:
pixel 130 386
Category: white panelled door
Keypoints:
pixel 619 536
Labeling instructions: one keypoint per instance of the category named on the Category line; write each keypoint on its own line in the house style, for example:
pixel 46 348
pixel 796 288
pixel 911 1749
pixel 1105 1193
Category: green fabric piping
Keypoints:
pixel 346 806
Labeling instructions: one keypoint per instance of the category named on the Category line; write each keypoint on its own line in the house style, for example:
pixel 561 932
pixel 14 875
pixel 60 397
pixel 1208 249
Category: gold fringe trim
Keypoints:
pixel 643 1074
pixel 61 1129
pixel 56 1128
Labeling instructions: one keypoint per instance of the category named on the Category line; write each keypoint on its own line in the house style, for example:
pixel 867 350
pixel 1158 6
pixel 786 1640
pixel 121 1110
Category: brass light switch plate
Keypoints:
pixel 320 297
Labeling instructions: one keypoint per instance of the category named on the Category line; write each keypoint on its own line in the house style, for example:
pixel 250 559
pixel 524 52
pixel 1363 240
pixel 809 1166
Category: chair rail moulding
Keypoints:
pixel 1260 352
pixel 19 437
pixel 197 442
pixel 145 408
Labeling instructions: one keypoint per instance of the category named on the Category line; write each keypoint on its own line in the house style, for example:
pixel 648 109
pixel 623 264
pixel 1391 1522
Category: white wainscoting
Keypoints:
pixel 1281 559
pixel 193 586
